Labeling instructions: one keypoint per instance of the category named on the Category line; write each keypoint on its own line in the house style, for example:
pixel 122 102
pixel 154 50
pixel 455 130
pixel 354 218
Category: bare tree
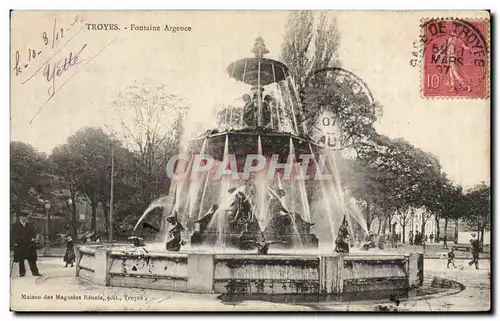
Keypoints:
pixel 310 50
pixel 295 51
pixel 326 43
pixel 309 47
pixel 150 124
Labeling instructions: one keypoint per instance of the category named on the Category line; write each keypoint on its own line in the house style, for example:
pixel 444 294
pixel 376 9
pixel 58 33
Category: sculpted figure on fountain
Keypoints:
pixel 369 242
pixel 240 209
pixel 202 224
pixel 174 242
pixel 257 106
pixel 341 245
pixel 241 218
pixel 205 220
pixel 285 225
pixel 280 222
pixel 262 245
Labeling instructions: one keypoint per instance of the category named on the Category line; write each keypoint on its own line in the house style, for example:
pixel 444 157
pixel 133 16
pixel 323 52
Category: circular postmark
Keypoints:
pixel 338 101
pixel 455 58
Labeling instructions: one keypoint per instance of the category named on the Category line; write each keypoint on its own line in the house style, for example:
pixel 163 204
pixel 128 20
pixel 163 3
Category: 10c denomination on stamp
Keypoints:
pixel 455 58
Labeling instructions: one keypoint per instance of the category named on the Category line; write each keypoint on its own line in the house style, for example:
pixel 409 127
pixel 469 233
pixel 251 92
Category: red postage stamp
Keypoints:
pixel 455 59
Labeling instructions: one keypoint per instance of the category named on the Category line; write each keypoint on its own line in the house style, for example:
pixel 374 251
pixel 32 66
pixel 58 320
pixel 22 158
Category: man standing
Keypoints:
pixel 416 239
pixel 394 240
pixel 451 259
pixel 475 251
pixel 410 237
pixel 23 238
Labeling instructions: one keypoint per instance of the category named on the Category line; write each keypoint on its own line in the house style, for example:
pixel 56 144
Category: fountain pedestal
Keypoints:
pixel 330 274
pixel 200 268
pixel 101 266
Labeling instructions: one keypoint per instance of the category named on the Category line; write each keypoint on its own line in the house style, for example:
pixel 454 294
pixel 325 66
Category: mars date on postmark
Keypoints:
pixel 455 58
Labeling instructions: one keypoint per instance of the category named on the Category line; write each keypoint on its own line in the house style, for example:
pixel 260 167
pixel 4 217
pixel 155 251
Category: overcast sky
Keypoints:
pixel 375 46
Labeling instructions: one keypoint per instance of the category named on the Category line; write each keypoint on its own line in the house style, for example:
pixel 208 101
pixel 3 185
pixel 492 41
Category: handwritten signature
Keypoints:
pixel 51 71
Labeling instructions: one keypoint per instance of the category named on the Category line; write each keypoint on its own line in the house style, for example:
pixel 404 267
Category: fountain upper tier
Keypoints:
pixel 269 101
pixel 242 142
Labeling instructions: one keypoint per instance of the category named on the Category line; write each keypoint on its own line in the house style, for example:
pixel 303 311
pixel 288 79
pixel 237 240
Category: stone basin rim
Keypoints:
pixel 369 256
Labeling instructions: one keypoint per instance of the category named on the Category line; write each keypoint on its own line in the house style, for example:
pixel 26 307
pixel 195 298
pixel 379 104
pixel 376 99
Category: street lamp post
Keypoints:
pixel 47 232
pixel 112 192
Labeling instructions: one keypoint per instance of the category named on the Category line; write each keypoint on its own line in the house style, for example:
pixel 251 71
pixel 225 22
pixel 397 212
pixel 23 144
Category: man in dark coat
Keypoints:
pixel 418 238
pixel 475 249
pixel 451 258
pixel 23 238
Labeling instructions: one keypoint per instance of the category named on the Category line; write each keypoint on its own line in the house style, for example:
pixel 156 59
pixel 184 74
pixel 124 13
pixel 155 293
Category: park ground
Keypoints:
pixel 57 280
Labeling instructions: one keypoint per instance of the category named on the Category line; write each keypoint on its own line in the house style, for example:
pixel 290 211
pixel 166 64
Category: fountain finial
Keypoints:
pixel 259 48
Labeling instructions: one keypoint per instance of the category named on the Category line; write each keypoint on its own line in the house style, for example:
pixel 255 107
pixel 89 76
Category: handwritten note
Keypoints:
pixel 56 57
pixel 48 45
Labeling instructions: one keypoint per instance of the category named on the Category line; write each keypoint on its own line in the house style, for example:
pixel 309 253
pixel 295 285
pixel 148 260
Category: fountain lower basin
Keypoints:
pixel 244 273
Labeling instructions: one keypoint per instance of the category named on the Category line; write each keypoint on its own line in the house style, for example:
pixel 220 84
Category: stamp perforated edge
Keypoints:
pixel 423 20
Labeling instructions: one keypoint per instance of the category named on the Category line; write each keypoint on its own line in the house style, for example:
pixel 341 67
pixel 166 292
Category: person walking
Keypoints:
pixel 410 237
pixel 23 238
pixel 394 240
pixel 417 239
pixel 431 237
pixel 451 258
pixel 475 251
pixel 69 255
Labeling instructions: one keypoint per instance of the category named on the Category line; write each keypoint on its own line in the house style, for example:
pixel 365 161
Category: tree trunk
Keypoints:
pixel 74 222
pixel 94 218
pixel 379 225
pixel 438 230
pixel 422 230
pixel 106 220
pixel 384 225
pixel 368 224
pixel 478 228
pixel 455 238
pixel 482 236
pixel 412 221
pixel 445 245
pixel 404 233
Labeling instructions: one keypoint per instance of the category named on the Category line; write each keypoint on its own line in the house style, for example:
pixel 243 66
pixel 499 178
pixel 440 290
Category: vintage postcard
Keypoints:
pixel 250 161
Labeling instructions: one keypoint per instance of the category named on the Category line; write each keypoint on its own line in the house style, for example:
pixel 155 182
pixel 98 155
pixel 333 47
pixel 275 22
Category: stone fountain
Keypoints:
pixel 243 220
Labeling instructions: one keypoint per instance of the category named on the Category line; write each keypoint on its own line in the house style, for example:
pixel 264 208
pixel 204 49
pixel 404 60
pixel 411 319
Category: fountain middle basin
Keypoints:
pixel 236 272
